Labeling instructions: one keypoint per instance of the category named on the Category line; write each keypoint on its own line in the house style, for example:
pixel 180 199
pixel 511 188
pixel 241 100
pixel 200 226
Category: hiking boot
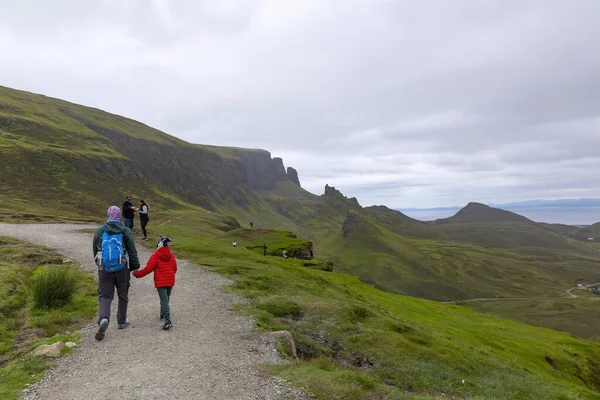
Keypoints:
pixel 144 238
pixel 124 325
pixel 101 329
pixel 168 325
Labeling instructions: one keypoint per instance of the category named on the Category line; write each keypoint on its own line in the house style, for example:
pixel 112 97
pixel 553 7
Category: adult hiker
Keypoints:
pixel 128 212
pixel 144 216
pixel 251 225
pixel 115 254
pixel 264 249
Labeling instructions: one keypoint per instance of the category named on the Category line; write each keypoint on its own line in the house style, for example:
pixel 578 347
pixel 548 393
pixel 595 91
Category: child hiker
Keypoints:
pixel 164 265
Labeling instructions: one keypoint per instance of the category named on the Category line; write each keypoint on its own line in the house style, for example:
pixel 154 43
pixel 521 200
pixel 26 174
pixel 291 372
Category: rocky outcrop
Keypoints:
pixel 303 253
pixel 49 350
pixel 332 193
pixel 349 224
pixel 288 340
pixel 292 175
pixel 278 169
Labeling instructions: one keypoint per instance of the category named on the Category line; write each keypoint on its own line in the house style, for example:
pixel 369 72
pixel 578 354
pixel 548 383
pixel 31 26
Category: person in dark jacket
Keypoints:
pixel 144 212
pixel 128 212
pixel 164 265
pixel 107 281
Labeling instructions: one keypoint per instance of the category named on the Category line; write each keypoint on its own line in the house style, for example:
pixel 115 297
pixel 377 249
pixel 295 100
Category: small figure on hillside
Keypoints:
pixel 115 254
pixel 264 249
pixel 234 243
pixel 284 254
pixel 144 216
pixel 128 212
pixel 251 225
pixel 164 265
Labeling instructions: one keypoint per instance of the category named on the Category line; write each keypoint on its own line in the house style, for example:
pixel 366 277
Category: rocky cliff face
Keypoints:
pixel 65 150
pixel 203 177
pixel 293 175
pixel 333 194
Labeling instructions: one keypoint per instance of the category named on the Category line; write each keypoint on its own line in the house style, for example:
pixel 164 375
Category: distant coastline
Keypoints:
pixel 567 211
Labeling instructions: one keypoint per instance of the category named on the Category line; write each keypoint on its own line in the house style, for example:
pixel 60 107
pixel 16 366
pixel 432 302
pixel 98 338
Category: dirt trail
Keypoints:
pixel 209 353
pixel 570 293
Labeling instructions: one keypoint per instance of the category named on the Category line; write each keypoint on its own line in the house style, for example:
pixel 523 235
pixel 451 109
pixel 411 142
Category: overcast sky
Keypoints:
pixel 406 103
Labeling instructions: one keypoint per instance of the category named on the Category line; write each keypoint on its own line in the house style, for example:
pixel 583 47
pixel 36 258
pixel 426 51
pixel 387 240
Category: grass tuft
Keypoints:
pixel 53 286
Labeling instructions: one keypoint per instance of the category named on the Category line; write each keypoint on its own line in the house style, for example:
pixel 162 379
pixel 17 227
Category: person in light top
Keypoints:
pixel 144 216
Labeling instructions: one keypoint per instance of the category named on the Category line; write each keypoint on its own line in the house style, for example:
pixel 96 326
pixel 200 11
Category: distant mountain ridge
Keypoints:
pixel 576 212
pixel 477 212
pixel 592 202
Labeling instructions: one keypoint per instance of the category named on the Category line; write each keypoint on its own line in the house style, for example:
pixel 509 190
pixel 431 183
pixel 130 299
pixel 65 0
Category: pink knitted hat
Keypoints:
pixel 114 214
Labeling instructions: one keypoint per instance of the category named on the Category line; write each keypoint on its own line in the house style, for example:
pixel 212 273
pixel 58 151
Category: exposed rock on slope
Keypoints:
pixel 293 175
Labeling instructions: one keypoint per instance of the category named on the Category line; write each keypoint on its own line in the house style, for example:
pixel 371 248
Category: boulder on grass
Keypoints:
pixel 49 350
pixel 286 336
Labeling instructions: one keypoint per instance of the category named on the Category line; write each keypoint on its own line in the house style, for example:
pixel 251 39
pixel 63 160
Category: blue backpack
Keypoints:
pixel 113 252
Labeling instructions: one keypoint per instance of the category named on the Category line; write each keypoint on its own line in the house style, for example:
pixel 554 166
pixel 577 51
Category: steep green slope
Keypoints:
pixel 356 342
pixel 578 316
pixel 62 158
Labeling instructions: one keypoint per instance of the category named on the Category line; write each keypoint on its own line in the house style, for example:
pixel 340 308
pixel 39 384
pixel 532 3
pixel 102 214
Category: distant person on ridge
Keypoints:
pixel 264 249
pixel 144 216
pixel 115 254
pixel 164 265
pixel 128 213
pixel 251 225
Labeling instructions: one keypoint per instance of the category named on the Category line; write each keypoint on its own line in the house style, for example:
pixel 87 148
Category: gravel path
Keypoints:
pixel 209 353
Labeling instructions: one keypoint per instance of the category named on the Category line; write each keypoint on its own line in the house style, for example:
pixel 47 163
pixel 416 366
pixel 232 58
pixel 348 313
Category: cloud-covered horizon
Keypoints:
pixel 403 103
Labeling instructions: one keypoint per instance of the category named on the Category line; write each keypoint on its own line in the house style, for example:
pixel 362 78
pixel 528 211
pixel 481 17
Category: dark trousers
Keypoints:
pixel 128 222
pixel 143 222
pixel 107 281
pixel 164 293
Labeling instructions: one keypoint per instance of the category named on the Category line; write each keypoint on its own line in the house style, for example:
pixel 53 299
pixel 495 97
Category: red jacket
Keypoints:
pixel 164 265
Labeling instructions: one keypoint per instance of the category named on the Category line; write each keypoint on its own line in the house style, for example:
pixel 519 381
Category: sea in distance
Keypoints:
pixel 553 215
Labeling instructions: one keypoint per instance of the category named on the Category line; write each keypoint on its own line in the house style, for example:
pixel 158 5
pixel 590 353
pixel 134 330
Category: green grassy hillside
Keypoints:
pixel 356 342
pixel 445 270
pixel 62 161
pixel 60 158
pixel 578 316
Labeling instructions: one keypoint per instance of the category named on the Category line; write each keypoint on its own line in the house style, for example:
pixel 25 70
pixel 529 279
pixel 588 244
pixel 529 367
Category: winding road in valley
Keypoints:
pixel 570 293
pixel 209 354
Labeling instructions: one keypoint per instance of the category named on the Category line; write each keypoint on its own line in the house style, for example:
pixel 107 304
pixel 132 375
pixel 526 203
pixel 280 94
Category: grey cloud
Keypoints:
pixel 406 103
